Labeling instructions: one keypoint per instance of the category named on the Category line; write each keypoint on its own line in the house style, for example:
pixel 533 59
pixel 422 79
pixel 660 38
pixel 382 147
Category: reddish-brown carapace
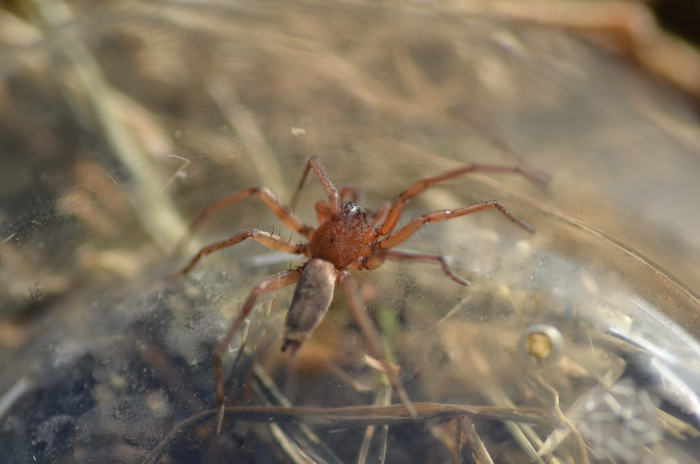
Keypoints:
pixel 347 237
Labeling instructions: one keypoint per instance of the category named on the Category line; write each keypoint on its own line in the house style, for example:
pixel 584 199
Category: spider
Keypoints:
pixel 347 237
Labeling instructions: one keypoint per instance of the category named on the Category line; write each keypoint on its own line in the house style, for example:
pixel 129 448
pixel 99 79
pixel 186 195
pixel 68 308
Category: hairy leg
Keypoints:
pixel 377 259
pixel 333 196
pixel 373 337
pixel 413 226
pixel 350 192
pixel 422 185
pixel 265 195
pixel 281 279
pixel 266 238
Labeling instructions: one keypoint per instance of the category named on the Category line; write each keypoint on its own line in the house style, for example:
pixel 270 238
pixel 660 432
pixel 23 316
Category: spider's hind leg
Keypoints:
pixel 281 279
pixel 377 259
pixel 374 339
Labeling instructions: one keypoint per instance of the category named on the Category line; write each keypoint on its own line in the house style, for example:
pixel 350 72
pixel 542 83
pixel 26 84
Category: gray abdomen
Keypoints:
pixel 312 297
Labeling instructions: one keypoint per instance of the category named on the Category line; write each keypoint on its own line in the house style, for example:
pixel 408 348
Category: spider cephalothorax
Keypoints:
pixel 341 237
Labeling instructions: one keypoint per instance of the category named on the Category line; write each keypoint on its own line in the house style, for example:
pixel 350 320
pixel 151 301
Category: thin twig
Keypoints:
pixel 477 446
pixel 578 438
pixel 355 416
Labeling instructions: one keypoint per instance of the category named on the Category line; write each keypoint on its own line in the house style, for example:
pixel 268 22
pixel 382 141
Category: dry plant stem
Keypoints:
pixel 366 442
pixel 82 79
pixel 524 440
pixel 580 442
pixel 382 398
pixel 575 410
pixel 458 307
pixel 384 444
pixel 243 121
pixel 676 426
pixel 296 439
pixel 523 434
pixel 355 416
pixel 480 453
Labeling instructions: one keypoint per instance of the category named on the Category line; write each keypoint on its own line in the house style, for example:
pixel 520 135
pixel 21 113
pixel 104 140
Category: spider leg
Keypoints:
pixel 373 338
pixel 266 238
pixel 379 214
pixel 377 259
pixel 333 196
pixel 401 235
pixel 422 185
pixel 275 281
pixel 372 234
pixel 350 191
pixel 265 195
pixel 323 212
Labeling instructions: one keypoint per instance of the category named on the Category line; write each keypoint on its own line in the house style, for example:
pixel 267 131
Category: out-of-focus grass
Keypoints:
pixel 121 121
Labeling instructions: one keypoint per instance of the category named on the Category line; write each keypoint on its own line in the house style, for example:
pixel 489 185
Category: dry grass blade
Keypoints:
pixel 355 416
pixel 295 437
pixel 475 443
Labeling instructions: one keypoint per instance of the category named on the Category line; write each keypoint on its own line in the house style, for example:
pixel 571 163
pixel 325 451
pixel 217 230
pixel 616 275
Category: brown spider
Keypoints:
pixel 343 239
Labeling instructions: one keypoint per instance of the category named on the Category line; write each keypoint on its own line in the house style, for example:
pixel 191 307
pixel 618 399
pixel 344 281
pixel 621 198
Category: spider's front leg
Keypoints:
pixel 266 238
pixel 265 195
pixel 333 195
pixel 420 186
pixel 413 226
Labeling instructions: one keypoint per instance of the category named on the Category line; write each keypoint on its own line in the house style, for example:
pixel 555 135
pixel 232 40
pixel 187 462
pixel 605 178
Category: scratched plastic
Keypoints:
pixel 575 343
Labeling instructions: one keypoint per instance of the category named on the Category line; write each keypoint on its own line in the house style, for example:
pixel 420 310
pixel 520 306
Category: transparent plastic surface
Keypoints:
pixel 575 343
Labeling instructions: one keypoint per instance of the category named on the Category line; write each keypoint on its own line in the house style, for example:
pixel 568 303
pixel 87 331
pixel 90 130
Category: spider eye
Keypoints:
pixel 352 208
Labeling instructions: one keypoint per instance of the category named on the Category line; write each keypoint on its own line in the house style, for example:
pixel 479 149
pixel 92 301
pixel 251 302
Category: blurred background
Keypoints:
pixel 122 119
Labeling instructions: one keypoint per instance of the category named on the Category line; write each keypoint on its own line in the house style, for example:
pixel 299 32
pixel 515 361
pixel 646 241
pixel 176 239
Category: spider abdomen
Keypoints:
pixel 312 297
